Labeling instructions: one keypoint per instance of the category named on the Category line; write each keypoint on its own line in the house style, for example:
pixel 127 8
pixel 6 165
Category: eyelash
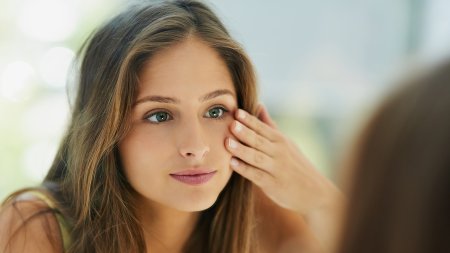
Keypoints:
pixel 170 117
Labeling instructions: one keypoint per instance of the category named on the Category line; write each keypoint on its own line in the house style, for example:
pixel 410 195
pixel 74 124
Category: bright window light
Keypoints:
pixel 55 64
pixel 16 81
pixel 48 20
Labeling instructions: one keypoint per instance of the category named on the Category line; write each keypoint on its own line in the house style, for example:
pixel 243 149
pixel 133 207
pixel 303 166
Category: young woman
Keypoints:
pixel 400 187
pixel 162 120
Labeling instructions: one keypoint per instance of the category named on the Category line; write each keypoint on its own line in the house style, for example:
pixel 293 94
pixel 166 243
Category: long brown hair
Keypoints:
pixel 400 190
pixel 88 180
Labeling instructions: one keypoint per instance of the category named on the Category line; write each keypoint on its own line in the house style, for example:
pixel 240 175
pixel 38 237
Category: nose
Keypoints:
pixel 192 143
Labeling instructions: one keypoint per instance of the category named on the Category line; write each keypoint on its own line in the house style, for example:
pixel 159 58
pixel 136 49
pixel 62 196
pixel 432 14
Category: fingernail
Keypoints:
pixel 234 162
pixel 232 143
pixel 241 114
pixel 237 127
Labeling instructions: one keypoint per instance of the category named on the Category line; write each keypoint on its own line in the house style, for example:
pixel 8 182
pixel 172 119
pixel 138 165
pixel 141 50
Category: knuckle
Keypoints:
pixel 251 119
pixel 257 127
pixel 253 122
pixel 258 141
pixel 258 158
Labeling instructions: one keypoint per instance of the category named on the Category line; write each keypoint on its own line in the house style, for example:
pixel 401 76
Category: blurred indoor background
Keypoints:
pixel 321 66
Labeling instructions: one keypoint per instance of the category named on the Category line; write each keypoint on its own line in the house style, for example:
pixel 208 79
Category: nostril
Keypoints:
pixel 194 152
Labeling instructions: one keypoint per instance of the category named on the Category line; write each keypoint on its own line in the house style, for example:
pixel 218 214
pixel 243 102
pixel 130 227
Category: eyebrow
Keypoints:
pixel 171 100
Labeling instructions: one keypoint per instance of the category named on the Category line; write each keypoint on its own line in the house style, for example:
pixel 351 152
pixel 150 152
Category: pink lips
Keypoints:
pixel 194 176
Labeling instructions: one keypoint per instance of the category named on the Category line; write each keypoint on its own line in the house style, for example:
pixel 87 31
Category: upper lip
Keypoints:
pixel 192 171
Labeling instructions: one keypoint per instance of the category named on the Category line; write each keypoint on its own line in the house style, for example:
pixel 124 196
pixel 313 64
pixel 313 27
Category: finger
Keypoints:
pixel 255 175
pixel 249 155
pixel 251 138
pixel 256 125
pixel 264 116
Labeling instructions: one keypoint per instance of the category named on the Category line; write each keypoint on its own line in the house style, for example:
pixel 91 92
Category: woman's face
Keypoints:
pixel 174 154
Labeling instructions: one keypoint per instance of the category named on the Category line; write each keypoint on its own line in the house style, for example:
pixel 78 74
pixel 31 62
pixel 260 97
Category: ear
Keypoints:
pixel 263 115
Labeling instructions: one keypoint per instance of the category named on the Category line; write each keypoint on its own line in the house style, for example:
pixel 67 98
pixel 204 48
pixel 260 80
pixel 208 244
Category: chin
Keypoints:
pixel 195 205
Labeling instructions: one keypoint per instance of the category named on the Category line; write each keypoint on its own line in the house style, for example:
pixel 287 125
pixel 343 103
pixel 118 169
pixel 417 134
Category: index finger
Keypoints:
pixel 257 125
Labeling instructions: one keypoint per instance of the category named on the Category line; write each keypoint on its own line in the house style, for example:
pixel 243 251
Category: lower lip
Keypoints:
pixel 194 179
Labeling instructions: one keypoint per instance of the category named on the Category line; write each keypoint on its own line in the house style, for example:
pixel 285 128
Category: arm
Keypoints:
pixel 285 176
pixel 28 226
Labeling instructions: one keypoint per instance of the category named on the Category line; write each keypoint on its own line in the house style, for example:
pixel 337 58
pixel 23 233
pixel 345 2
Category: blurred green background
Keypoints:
pixel 321 66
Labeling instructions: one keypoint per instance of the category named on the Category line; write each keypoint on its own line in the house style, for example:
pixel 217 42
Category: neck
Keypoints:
pixel 165 229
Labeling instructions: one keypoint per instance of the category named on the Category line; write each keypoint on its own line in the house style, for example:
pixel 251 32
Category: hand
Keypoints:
pixel 266 157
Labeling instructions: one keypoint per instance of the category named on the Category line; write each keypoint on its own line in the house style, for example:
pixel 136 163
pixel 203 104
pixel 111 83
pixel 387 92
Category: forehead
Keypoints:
pixel 190 67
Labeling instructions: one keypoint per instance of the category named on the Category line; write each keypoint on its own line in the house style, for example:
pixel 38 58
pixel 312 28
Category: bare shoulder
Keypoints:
pixel 279 230
pixel 27 224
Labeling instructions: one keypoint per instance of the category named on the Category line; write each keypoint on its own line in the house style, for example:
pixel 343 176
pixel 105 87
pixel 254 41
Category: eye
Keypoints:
pixel 215 112
pixel 158 117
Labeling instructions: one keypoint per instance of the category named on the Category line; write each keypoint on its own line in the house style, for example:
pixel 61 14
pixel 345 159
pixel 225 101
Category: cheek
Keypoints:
pixel 217 134
pixel 140 146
